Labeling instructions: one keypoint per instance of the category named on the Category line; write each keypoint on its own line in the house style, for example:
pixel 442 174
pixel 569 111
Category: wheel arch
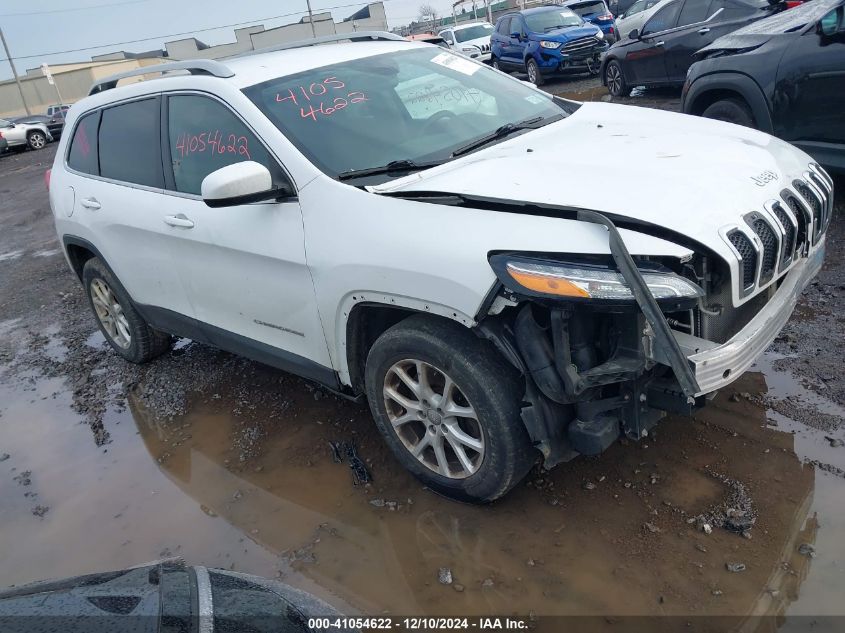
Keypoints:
pixel 707 90
pixel 78 251
pixel 367 315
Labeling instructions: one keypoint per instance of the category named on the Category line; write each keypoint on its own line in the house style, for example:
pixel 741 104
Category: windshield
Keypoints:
pixel 473 32
pixel 545 21
pixel 418 105
pixel 589 8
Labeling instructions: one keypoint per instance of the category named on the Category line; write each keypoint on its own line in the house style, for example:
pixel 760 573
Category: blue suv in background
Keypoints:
pixel 544 41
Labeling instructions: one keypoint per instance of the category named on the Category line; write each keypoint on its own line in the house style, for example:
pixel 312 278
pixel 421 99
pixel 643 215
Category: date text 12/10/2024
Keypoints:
pixel 419 624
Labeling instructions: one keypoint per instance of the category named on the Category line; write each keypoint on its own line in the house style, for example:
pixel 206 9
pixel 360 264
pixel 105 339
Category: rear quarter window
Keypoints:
pixel 82 156
pixel 130 143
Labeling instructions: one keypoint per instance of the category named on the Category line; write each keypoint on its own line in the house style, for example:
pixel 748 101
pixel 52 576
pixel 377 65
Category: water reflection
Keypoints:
pixel 551 547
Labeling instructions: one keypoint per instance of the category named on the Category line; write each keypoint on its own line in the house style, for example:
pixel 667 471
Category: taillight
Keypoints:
pixel 47 178
pixel 606 16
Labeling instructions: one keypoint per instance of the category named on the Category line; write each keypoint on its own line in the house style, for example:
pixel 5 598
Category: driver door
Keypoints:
pixel 244 266
pixel 647 61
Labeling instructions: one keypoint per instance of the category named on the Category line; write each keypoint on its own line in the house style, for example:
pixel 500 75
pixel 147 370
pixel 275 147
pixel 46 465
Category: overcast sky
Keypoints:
pixel 35 27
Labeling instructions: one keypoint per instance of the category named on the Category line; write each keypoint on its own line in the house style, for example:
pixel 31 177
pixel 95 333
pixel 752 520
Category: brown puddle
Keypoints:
pixel 257 490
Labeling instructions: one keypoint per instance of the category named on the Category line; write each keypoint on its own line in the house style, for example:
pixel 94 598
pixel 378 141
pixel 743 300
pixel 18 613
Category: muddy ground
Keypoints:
pixel 226 463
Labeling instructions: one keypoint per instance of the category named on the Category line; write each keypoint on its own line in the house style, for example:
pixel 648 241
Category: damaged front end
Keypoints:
pixel 609 345
pixel 584 334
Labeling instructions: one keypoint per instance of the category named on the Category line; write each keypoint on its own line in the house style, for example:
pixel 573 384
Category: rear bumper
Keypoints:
pixel 716 366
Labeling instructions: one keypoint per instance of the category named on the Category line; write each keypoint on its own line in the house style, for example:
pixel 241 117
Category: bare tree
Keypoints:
pixel 428 14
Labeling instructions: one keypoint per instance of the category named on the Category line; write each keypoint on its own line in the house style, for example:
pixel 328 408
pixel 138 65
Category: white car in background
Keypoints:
pixel 636 15
pixel 22 135
pixel 472 40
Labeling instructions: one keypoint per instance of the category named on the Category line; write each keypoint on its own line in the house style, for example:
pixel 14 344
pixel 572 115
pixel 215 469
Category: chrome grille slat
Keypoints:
pixel 788 227
pixel 814 201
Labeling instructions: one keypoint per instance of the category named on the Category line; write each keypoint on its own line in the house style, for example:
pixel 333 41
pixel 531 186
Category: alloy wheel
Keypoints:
pixel 614 79
pixel 37 141
pixel 110 313
pixel 532 74
pixel 433 418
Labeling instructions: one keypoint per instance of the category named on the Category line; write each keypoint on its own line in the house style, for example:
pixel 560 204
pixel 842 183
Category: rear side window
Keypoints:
pixel 504 26
pixel 130 143
pixel 693 12
pixel 664 19
pixel 83 147
pixel 205 136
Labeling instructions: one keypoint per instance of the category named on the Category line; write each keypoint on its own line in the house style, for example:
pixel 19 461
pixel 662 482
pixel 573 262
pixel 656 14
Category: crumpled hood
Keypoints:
pixel 761 31
pixel 688 174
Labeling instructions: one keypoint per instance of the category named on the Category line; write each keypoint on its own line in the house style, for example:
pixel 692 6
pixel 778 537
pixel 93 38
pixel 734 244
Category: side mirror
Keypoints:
pixel 240 183
pixel 829 24
pixel 633 35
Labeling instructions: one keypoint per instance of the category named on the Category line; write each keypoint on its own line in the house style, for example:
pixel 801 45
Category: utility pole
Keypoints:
pixel 14 71
pixel 311 18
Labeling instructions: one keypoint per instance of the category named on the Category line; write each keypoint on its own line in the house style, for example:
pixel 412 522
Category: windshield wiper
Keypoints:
pixel 506 130
pixel 393 166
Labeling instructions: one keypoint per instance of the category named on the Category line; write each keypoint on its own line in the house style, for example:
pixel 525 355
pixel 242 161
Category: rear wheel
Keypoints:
pixel 534 74
pixel 449 407
pixel 36 140
pixel 730 110
pixel 614 79
pixel 124 328
pixel 494 62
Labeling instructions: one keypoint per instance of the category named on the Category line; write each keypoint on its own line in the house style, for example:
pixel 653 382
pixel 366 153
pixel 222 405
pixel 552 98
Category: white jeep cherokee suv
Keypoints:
pixel 404 224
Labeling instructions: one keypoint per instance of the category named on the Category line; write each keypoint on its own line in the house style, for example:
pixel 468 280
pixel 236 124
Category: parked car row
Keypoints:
pixel 32 131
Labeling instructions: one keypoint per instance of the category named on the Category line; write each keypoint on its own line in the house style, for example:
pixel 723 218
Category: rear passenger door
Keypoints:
pixel 244 266
pixel 115 185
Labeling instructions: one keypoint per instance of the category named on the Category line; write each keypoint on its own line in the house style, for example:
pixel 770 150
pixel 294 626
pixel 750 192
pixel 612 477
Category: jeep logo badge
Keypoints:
pixel 765 178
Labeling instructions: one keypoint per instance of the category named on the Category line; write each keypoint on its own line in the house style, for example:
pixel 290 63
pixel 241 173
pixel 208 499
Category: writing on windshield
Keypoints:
pixel 320 98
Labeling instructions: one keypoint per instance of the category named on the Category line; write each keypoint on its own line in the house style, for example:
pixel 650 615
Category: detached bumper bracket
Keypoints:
pixel 648 304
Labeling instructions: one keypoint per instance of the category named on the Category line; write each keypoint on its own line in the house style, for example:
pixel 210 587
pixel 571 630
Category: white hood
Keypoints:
pixel 688 174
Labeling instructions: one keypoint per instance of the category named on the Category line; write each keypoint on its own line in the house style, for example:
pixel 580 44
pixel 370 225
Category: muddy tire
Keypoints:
pixel 534 74
pixel 730 110
pixel 614 79
pixel 448 406
pixel 124 328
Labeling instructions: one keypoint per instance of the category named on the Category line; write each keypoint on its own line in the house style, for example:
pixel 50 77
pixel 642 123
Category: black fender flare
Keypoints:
pixel 736 82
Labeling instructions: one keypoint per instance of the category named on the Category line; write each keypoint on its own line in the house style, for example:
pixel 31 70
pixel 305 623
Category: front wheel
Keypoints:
pixel 448 406
pixel 36 140
pixel 730 110
pixel 124 328
pixel 614 79
pixel 534 74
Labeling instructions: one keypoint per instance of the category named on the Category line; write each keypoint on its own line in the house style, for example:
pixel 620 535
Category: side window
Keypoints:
pixel 733 11
pixel 83 146
pixel 205 136
pixel 504 26
pixel 664 19
pixel 517 25
pixel 693 12
pixel 448 37
pixel 130 143
pixel 638 6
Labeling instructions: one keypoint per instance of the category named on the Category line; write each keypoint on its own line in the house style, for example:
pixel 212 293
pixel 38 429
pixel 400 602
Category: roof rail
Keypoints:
pixel 355 36
pixel 194 67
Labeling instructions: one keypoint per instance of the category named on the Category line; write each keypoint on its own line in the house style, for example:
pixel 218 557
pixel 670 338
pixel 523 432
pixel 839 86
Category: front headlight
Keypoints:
pixel 588 281
pixel 548 44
